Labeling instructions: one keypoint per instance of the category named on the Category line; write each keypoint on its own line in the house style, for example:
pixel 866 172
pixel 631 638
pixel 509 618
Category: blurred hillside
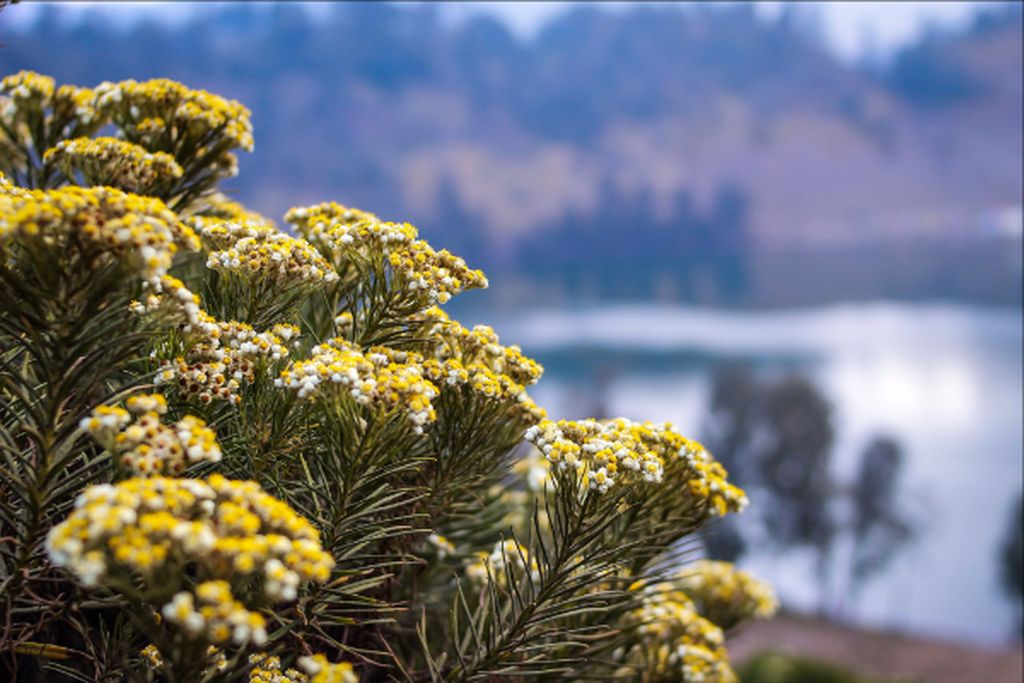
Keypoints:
pixel 704 155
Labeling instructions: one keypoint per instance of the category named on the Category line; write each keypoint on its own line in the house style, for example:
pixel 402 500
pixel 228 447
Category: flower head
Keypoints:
pixel 725 594
pixel 113 162
pixel 146 110
pixel 144 445
pixel 215 529
pixel 95 223
pixel 382 378
pixel 605 454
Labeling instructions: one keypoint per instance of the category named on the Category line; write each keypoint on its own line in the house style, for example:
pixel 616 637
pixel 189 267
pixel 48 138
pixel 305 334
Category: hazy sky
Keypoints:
pixel 848 26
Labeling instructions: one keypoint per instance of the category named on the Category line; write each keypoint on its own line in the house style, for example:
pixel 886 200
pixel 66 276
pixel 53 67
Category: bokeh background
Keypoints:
pixel 793 229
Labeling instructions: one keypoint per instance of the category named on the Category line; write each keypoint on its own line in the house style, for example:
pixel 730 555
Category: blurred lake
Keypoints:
pixel 944 380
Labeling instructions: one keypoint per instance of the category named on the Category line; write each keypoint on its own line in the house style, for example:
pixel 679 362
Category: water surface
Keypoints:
pixel 944 380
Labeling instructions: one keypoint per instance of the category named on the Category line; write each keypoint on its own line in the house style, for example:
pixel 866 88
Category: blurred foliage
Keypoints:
pixel 772 667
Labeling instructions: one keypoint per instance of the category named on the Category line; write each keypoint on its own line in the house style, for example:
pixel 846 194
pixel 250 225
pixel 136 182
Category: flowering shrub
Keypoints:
pixel 234 453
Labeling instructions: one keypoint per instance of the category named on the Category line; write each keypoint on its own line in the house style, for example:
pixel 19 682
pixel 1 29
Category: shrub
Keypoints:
pixel 231 449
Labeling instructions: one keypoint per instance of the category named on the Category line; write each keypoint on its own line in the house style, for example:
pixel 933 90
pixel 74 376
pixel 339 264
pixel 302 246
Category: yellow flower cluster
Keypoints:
pixel 725 594
pixel 217 660
pixel 113 162
pixel 146 446
pixel 95 221
pixel 267 669
pixel 676 642
pixel 322 671
pixel 217 208
pixel 709 479
pixel 213 613
pixel 9 188
pixel 349 233
pixel 475 359
pixel 215 529
pixel 621 451
pixel 440 274
pixel 603 454
pixel 177 305
pixel 28 91
pixel 147 110
pixel 485 383
pixel 224 356
pixel 323 222
pixel 479 346
pixel 270 256
pixel 28 86
pixel 382 377
pixel 222 234
pixel 507 556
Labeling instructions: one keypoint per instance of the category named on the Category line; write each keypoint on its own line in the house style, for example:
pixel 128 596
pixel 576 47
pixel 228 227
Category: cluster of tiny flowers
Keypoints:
pixel 222 234
pixel 271 256
pixel 726 594
pixel 143 444
pixel 322 671
pixel 28 87
pixel 217 660
pixel 390 379
pixel 433 276
pixel 176 304
pixel 29 92
pixel 623 451
pixel 475 359
pixel 213 613
pixel 506 557
pixel 709 479
pixel 109 161
pixel 331 224
pixel 603 454
pixel 216 209
pixel 225 356
pixel 438 274
pixel 485 383
pixel 139 231
pixel 267 669
pixel 216 529
pixel 9 188
pixel 676 642
pixel 479 345
pixel 146 110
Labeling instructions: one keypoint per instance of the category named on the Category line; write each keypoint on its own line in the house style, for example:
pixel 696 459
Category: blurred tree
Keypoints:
pixel 729 433
pixel 1011 557
pixel 793 469
pixel 879 526
pixel 776 437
